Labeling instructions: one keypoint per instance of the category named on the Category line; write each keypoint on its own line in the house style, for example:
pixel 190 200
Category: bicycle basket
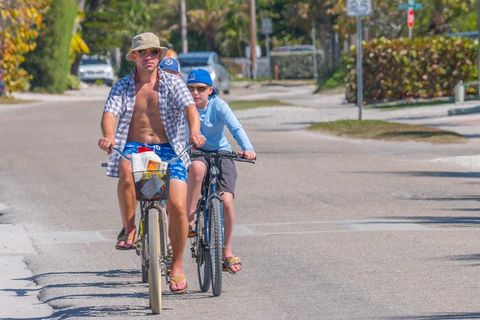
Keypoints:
pixel 151 185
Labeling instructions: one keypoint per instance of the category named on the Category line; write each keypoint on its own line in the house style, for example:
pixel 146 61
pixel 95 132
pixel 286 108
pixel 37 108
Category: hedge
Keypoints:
pixel 405 69
pixel 295 65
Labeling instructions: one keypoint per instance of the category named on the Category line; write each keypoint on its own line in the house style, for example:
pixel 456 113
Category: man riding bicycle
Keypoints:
pixel 150 107
pixel 215 114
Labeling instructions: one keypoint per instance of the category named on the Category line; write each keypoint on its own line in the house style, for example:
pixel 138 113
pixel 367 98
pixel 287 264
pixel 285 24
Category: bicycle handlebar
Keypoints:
pixel 220 154
pixel 190 146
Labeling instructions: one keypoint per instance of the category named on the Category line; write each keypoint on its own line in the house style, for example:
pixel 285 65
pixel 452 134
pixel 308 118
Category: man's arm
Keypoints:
pixel 108 130
pixel 193 120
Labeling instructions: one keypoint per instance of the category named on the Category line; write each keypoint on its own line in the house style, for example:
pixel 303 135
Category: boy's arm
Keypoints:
pixel 238 133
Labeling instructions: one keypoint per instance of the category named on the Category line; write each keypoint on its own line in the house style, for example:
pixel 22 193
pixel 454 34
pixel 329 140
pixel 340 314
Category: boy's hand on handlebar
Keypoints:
pixel 249 155
pixel 197 139
pixel 106 144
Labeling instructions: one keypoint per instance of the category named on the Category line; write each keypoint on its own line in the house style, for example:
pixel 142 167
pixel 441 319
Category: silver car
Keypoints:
pixel 209 61
pixel 96 68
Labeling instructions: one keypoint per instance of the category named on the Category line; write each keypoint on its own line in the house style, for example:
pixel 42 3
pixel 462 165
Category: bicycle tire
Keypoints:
pixel 154 268
pixel 216 245
pixel 143 251
pixel 202 257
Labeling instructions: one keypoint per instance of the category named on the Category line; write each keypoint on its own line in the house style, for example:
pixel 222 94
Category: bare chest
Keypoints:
pixel 146 101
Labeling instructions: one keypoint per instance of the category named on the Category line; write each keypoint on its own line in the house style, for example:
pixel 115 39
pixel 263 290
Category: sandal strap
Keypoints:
pixel 232 260
pixel 178 278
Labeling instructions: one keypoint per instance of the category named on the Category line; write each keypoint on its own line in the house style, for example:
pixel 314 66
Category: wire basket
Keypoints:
pixel 152 185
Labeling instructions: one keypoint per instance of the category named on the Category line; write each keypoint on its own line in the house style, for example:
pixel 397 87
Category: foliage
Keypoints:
pixel 73 83
pixel 294 65
pixel 20 22
pixel 388 21
pixel 407 69
pixel 112 23
pixel 49 63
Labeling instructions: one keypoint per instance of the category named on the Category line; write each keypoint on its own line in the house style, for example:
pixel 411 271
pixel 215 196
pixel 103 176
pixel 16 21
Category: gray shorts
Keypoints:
pixel 228 174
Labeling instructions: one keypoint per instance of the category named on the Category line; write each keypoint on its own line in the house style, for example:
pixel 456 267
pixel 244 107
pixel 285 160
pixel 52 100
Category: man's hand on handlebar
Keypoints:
pixel 197 139
pixel 106 144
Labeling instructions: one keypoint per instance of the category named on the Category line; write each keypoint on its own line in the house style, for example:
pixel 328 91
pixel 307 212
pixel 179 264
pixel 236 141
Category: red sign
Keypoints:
pixel 411 18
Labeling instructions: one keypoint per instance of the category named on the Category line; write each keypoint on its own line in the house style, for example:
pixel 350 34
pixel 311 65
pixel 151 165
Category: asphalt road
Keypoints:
pixel 327 228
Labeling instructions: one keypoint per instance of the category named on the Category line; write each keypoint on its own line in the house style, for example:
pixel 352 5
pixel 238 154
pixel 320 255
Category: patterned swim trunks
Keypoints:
pixel 165 152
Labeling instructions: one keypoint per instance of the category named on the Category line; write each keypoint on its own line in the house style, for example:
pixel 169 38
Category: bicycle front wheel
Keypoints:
pixel 216 244
pixel 202 257
pixel 154 254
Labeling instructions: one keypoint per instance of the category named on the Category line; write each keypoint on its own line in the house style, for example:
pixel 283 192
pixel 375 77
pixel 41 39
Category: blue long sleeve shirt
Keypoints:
pixel 213 120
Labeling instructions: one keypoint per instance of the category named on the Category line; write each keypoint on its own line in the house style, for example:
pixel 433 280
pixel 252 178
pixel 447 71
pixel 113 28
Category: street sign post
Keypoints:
pixel 359 9
pixel 410 7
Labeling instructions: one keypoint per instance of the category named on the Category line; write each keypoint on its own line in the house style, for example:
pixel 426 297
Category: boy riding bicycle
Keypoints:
pixel 215 114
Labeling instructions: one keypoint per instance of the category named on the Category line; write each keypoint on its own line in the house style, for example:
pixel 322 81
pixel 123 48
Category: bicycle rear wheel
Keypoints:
pixel 202 257
pixel 143 248
pixel 216 244
pixel 154 254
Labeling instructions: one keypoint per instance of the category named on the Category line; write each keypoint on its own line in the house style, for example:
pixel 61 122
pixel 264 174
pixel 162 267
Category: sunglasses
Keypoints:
pixel 151 52
pixel 199 89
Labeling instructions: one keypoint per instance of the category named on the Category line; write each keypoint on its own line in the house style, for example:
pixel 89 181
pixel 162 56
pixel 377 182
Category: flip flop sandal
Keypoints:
pixel 191 232
pixel 177 279
pixel 121 238
pixel 229 262
pixel 131 238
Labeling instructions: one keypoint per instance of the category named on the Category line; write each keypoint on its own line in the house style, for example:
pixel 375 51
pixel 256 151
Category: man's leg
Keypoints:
pixel 196 172
pixel 178 228
pixel 126 196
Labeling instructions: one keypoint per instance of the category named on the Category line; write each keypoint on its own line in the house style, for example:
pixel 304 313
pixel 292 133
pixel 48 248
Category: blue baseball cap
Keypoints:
pixel 201 76
pixel 170 64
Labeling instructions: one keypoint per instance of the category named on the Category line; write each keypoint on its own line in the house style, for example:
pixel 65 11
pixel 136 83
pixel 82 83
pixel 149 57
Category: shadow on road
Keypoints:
pixel 440 316
pixel 125 296
pixel 440 174
pixel 441 220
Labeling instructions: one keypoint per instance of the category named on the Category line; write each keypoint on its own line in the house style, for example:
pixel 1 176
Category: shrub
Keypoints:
pixel 20 23
pixel 295 65
pixel 49 64
pixel 73 83
pixel 411 69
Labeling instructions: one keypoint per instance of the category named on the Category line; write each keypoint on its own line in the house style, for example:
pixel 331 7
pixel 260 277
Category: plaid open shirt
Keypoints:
pixel 173 98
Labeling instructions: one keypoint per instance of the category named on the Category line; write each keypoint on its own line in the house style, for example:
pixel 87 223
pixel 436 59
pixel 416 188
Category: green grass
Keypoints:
pixel 397 106
pixel 250 104
pixel 392 131
pixel 10 100
pixel 336 81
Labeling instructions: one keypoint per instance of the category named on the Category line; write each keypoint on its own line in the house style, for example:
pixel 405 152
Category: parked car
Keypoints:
pixel 209 61
pixel 95 68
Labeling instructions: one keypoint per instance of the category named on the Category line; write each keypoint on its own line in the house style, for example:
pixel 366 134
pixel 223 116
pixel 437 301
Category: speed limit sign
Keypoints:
pixel 359 8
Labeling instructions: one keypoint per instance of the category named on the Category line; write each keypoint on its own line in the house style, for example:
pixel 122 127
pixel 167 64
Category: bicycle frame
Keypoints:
pixel 210 191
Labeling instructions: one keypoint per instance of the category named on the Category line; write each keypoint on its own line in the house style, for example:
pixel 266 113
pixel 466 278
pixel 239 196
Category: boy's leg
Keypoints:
pixel 196 172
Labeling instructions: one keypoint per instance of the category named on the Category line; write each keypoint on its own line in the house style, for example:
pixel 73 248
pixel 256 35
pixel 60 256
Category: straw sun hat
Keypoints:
pixel 146 40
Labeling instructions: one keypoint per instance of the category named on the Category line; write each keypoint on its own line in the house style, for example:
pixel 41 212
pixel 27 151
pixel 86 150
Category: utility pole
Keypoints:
pixel 183 26
pixel 253 32
pixel 314 44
